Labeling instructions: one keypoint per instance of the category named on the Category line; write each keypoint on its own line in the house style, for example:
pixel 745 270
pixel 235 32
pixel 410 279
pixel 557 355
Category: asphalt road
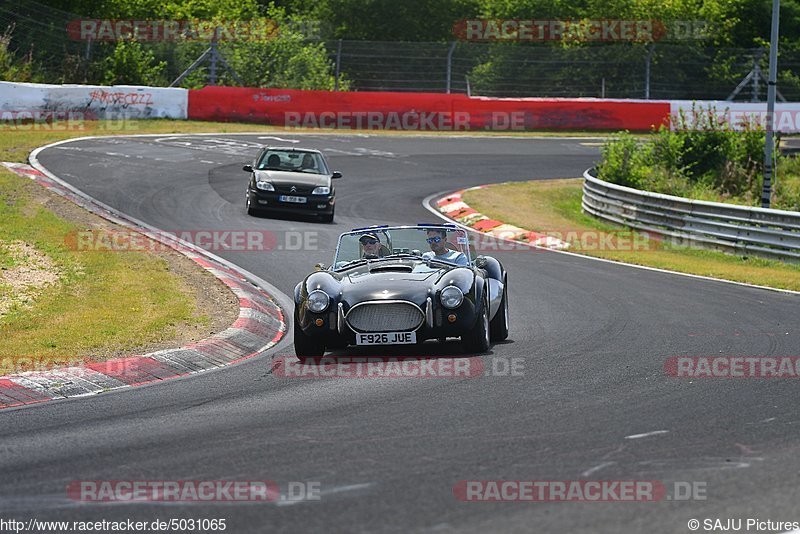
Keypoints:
pixel 593 401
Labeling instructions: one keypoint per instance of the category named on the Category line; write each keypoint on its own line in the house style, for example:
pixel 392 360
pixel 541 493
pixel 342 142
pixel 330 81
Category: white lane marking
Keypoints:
pixel 205 161
pixel 338 489
pixel 426 204
pixel 279 139
pixel 596 468
pixel 647 434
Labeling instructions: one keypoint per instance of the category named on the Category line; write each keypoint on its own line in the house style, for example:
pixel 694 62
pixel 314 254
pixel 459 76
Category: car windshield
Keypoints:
pixel 292 161
pixel 446 244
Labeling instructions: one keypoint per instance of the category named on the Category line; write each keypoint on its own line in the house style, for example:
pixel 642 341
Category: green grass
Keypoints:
pixel 554 207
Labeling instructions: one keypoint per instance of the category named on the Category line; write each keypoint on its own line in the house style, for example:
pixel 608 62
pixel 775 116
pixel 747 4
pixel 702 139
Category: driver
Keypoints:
pixel 371 245
pixel 308 163
pixel 437 239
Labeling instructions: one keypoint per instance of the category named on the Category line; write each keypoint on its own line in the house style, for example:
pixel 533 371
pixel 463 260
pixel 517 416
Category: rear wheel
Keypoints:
pixel 477 340
pixel 498 328
pixel 306 347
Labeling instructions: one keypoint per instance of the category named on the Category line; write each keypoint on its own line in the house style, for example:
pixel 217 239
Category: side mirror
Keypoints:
pixel 480 262
pixel 319 267
pixel 336 175
pixel 248 168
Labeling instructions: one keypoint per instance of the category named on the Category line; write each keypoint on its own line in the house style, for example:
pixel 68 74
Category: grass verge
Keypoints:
pixel 553 207
pixel 105 304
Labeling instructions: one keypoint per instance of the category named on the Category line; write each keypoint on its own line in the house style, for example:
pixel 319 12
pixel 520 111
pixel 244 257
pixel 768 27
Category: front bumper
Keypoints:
pixel 269 200
pixel 334 328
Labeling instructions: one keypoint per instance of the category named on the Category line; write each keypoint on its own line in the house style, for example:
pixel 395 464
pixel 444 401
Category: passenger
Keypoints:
pixel 274 162
pixel 437 239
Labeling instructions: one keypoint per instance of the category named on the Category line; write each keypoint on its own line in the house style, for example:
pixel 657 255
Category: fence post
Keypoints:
pixel 88 59
pixel 338 65
pixel 450 64
pixel 650 49
pixel 212 67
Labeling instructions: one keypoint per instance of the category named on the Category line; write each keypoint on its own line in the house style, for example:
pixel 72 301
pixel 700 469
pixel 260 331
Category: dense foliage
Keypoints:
pixel 702 157
pixel 35 45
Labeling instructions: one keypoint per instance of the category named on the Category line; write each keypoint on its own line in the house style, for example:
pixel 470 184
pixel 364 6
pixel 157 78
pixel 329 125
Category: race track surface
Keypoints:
pixel 593 338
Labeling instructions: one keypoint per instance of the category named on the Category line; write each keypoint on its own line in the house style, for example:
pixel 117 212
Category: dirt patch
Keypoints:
pixel 29 275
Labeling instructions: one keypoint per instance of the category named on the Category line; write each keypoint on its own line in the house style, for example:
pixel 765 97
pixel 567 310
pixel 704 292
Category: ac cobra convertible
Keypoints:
pixel 401 285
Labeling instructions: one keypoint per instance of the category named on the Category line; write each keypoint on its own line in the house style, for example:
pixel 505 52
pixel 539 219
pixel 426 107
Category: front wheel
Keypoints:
pixel 306 347
pixel 498 328
pixel 327 218
pixel 249 208
pixel 477 340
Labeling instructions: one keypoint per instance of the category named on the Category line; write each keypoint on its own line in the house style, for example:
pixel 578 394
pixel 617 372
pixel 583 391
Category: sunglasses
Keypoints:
pixel 436 239
pixel 369 241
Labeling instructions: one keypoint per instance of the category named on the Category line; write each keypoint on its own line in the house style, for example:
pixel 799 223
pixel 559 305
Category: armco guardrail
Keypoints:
pixel 738 229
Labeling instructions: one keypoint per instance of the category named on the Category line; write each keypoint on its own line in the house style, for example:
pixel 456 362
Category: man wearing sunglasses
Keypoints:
pixel 437 239
pixel 371 246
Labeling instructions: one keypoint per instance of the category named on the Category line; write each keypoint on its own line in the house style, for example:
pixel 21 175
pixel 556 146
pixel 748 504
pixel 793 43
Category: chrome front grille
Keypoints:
pixel 299 189
pixel 385 316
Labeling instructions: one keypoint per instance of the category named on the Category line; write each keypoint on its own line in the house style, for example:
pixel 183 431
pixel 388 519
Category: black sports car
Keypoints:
pixel 401 285
pixel 291 180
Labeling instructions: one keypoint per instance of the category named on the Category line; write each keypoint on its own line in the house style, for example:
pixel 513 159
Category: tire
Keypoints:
pixel 250 211
pixel 306 347
pixel 327 218
pixel 498 327
pixel 477 340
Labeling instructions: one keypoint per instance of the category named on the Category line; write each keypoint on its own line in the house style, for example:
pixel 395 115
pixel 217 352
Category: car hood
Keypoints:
pixel 389 285
pixel 288 177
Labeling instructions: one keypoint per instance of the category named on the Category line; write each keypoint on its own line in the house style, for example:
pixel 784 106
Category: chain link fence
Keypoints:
pixel 661 70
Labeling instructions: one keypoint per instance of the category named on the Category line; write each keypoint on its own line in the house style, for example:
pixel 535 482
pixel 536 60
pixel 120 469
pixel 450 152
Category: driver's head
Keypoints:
pixel 274 161
pixel 371 244
pixel 437 239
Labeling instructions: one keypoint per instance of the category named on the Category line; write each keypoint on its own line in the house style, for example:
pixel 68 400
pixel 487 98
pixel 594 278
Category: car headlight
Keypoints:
pixel 264 186
pixel 451 297
pixel 318 301
pixel 322 190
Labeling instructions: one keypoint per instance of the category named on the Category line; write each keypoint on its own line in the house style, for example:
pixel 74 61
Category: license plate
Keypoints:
pixel 386 338
pixel 296 200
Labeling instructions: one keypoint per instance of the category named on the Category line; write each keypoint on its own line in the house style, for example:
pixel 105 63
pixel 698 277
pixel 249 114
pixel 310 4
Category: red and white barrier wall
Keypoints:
pixel 420 111
pixel 376 110
pixel 92 101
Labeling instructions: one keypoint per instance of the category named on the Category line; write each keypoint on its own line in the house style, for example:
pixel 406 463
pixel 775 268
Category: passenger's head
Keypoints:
pixel 437 239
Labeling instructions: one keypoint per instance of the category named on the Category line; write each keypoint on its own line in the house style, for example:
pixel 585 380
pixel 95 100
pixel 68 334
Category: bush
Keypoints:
pixel 701 158
pixel 13 69
pixel 130 64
